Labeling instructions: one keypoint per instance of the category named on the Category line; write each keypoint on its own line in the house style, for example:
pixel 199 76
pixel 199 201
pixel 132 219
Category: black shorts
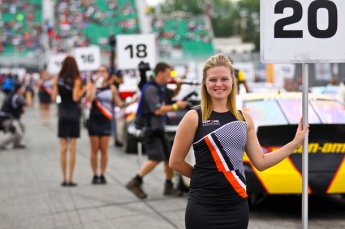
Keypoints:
pixel 199 216
pixel 158 148
pixel 99 126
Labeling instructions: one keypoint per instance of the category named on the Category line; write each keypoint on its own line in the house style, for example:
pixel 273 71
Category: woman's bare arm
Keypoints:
pixel 183 141
pixel 55 89
pixel 263 161
pixel 78 90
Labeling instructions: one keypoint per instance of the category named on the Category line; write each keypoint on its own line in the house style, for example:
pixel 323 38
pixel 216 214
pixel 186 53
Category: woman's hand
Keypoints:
pixel 300 133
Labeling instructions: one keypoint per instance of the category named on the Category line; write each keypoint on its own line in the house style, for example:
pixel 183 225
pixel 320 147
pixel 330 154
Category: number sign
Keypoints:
pixel 55 62
pixel 88 58
pixel 304 31
pixel 132 49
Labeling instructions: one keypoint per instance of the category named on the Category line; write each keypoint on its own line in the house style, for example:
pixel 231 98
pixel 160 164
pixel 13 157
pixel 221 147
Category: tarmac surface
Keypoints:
pixel 31 195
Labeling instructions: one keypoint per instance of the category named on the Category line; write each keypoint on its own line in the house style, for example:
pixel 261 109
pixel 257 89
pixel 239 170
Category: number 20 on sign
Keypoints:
pixel 304 31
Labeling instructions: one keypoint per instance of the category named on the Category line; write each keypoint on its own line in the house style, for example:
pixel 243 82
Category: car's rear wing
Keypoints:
pixel 279 135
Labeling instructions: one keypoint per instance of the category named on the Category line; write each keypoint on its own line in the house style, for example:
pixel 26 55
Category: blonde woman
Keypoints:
pixel 220 134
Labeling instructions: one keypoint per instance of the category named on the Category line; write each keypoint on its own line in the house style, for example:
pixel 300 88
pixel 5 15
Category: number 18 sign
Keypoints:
pixel 132 49
pixel 303 31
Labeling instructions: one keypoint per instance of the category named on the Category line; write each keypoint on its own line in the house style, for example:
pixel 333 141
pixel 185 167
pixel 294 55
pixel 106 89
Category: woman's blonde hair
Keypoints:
pixel 206 101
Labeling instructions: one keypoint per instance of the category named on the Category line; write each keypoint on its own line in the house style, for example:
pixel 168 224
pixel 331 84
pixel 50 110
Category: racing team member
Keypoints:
pixel 158 148
pixel 117 75
pixel 241 79
pixel 10 113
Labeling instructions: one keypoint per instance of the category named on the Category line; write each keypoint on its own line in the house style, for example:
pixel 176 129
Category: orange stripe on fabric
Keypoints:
pixel 48 90
pixel 104 111
pixel 228 174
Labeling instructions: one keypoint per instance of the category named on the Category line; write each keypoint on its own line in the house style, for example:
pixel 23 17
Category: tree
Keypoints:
pixel 228 18
pixel 249 12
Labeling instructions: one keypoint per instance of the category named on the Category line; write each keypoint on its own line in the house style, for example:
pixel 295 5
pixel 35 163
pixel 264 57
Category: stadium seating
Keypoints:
pixel 189 34
pixel 21 27
pixel 79 23
pixel 93 21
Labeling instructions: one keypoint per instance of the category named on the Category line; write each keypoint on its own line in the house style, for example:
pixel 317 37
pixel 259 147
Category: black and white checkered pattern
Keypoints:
pixel 233 138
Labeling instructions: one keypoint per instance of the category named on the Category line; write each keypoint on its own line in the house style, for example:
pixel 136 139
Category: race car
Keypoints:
pixel 276 117
pixel 326 90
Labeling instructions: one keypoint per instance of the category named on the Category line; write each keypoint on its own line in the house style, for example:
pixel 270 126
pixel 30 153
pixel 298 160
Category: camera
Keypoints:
pixel 144 66
pixel 112 40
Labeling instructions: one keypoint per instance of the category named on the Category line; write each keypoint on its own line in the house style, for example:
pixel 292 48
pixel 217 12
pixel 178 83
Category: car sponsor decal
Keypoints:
pixel 283 178
pixel 328 147
pixel 326 173
pixel 211 123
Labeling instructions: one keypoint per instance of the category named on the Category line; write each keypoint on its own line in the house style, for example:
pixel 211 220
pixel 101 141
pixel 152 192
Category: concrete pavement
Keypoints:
pixel 31 195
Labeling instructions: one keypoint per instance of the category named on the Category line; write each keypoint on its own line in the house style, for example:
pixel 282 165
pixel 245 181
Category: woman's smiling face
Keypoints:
pixel 102 72
pixel 218 82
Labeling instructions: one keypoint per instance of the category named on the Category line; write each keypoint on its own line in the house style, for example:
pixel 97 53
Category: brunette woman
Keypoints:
pixel 102 95
pixel 68 85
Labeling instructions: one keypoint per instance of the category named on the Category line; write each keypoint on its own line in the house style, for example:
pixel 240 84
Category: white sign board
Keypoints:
pixel 4 70
pixel 55 63
pixel 284 71
pixel 303 31
pixel 20 72
pixel 132 49
pixel 323 71
pixel 88 58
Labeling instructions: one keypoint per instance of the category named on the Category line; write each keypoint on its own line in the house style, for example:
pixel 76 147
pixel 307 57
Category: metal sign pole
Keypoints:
pixel 305 169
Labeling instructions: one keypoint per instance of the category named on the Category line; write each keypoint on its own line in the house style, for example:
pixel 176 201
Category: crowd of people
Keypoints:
pixel 175 32
pixel 75 21
pixel 21 27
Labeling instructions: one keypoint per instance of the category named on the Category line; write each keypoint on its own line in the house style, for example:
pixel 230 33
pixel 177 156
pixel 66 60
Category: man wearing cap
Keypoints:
pixel 10 113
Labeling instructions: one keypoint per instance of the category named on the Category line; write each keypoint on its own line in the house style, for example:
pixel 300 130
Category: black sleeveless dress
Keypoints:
pixel 69 111
pixel 45 91
pixel 101 113
pixel 217 197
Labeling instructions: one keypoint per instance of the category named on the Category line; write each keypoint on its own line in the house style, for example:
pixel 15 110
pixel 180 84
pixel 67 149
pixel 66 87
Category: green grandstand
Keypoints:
pixel 103 18
pixel 82 23
pixel 21 27
pixel 190 34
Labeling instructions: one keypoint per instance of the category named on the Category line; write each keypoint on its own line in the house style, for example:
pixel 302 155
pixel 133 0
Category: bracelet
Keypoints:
pixel 175 107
